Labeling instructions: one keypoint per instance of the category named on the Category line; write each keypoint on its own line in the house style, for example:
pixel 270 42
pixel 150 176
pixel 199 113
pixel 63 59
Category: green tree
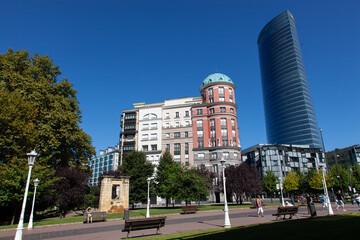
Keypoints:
pixel 138 169
pixel 42 112
pixel 291 183
pixel 189 185
pixel 340 177
pixel 166 168
pixel 269 183
pixel 316 182
pixel 355 177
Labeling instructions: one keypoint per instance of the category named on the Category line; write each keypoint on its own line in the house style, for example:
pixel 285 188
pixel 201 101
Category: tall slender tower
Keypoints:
pixel 289 112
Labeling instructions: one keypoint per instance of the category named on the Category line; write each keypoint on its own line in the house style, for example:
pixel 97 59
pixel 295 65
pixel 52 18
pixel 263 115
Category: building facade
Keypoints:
pixel 107 160
pixel 289 112
pixel 129 133
pixel 177 135
pixel 215 129
pixel 283 158
pixel 354 154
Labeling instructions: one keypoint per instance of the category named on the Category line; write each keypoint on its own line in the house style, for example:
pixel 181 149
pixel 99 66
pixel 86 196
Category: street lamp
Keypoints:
pixel 330 211
pixel 31 161
pixel 327 166
pixel 339 177
pixel 148 197
pixel 226 210
pixel 30 225
pixel 281 190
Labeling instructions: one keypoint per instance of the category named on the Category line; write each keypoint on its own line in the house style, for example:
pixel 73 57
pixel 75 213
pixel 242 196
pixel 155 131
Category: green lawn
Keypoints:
pixel 135 213
pixel 338 227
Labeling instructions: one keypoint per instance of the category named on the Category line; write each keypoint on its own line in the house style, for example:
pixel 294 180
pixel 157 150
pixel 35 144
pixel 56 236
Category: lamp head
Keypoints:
pixel 222 161
pixel 31 157
pixel 150 178
pixel 36 182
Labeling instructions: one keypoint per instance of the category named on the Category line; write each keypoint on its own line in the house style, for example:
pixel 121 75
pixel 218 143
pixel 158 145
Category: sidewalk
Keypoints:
pixel 175 223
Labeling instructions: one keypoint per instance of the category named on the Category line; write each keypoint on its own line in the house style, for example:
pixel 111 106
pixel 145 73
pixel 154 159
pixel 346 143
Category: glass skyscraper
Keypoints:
pixel 289 112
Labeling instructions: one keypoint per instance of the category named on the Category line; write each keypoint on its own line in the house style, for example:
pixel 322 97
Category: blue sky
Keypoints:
pixel 120 52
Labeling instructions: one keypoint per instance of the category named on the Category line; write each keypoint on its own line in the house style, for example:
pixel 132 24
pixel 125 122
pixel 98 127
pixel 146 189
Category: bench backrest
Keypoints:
pixel 190 207
pixel 145 223
pixel 96 215
pixel 288 209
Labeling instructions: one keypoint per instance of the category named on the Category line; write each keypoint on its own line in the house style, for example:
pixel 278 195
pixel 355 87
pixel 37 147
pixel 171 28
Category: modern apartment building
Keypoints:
pixel 289 112
pixel 354 154
pixel 128 135
pixel 283 158
pixel 107 160
pixel 177 136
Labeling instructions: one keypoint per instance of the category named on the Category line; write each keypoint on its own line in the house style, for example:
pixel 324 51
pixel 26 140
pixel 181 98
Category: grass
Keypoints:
pixel 141 212
pixel 338 227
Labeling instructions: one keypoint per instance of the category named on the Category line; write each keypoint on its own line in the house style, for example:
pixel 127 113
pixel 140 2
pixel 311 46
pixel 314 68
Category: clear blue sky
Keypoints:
pixel 120 52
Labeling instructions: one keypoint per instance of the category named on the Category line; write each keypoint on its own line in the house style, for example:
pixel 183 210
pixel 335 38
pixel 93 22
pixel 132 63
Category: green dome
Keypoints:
pixel 217 77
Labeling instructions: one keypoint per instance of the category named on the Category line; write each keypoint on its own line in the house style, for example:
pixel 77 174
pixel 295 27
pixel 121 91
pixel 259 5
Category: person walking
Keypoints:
pixel 324 201
pixel 340 201
pixel 309 200
pixel 259 207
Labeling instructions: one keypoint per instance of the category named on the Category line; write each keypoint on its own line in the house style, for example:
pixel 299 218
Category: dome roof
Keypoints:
pixel 216 77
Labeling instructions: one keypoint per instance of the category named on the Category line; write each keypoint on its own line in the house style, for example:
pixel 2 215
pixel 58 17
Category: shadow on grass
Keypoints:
pixel 334 227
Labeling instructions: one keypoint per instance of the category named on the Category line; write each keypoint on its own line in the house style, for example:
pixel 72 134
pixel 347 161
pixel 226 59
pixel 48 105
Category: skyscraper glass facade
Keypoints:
pixel 289 112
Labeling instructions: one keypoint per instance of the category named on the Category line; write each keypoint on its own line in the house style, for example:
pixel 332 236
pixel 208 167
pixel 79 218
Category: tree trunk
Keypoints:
pixel 13 217
pixel 167 202
pixel 271 198
pixel 133 206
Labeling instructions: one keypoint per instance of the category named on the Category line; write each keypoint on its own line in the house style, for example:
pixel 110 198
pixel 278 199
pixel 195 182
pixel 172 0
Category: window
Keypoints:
pixel 211 100
pixel 201 155
pixel 225 142
pixel 221 99
pixel 199 123
pixel 213 155
pixel 187 114
pixel 230 93
pixel 177 114
pixel 168 135
pixel 177 135
pixel 210 91
pixel 212 110
pixel 221 91
pixel 153 147
pixel 145 148
pixel 168 147
pixel 186 134
pixel 145 137
pixel 224 132
pixel 153 136
pixel 222 109
pixel 177 124
pixel 200 143
pixel 235 155
pixel 167 125
pixel 212 123
pixel 213 134
pixel 223 121
pixel 233 133
pixel 186 148
pixel 199 111
pixel 232 123
pixel 129 127
pixel 215 168
pixel 187 123
pixel 177 148
pixel 145 127
pixel 154 126
pixel 130 116
pixel 200 134
pixel 232 110
pixel 167 115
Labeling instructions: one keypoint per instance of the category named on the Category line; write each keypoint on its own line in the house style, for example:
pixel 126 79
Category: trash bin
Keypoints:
pixel 312 210
pixel 126 214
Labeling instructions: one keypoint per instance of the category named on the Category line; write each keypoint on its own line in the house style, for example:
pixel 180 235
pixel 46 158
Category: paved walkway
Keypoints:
pixel 175 223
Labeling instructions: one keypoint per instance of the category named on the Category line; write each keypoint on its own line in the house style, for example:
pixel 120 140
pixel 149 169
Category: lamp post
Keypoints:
pixel 327 166
pixel 31 161
pixel 30 225
pixel 226 210
pixel 281 190
pixel 339 177
pixel 148 197
pixel 330 211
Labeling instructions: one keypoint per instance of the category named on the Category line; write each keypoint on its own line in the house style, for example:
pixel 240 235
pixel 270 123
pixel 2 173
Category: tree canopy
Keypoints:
pixel 138 169
pixel 41 111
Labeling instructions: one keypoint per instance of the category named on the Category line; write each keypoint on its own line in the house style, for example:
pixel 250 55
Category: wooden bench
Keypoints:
pixel 144 223
pixel 286 211
pixel 189 209
pixel 96 216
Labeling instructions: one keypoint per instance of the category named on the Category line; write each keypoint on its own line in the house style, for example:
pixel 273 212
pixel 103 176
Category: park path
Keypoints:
pixel 175 223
